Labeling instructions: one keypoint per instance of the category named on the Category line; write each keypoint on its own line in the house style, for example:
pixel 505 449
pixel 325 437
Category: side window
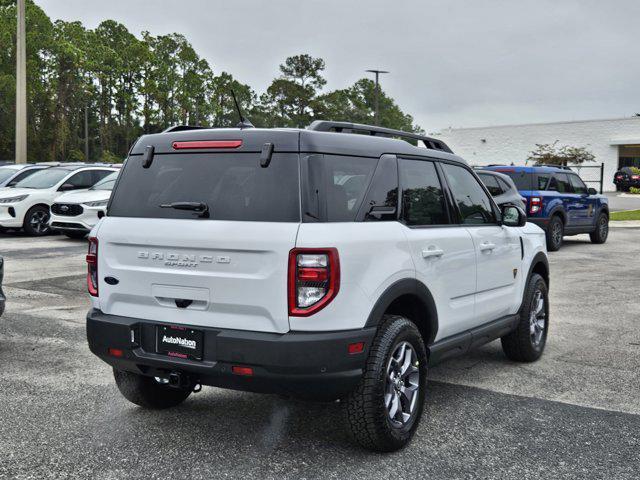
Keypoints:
pixel 82 179
pixel 578 185
pixel 474 204
pixel 423 200
pixel 492 184
pixel 543 181
pixel 560 183
pixel 382 193
pixel 98 175
pixel 504 185
pixel 22 176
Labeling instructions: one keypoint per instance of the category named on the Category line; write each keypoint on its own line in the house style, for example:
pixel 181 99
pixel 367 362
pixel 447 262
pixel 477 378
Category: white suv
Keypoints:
pixel 75 213
pixel 27 204
pixel 322 263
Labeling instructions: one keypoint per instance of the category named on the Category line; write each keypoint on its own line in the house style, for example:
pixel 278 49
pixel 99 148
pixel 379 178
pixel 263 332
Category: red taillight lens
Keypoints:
pixel 355 348
pixel 635 177
pixel 535 205
pixel 314 279
pixel 92 267
pixel 206 144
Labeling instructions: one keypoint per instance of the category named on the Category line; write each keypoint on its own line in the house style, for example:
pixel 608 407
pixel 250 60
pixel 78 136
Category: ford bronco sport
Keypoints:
pixel 333 262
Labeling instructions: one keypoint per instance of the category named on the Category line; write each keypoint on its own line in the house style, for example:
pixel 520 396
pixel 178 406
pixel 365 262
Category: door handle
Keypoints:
pixel 432 252
pixel 487 246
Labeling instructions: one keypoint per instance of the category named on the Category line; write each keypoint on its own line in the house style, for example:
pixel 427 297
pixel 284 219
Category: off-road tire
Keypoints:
pixel 367 418
pixel 600 234
pixel 519 345
pixel 29 228
pixel 554 239
pixel 147 392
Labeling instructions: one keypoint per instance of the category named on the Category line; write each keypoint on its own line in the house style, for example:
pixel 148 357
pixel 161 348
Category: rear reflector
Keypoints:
pixel 115 352
pixel 354 348
pixel 238 370
pixel 207 144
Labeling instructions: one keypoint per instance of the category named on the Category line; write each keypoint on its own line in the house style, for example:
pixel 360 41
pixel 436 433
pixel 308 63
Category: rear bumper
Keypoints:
pixel 315 365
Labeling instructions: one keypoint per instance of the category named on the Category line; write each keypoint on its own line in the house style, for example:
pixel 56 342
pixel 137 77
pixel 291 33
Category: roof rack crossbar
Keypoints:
pixel 339 127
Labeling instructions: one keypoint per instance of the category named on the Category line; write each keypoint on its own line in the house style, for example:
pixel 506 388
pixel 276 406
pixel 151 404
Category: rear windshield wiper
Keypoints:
pixel 199 207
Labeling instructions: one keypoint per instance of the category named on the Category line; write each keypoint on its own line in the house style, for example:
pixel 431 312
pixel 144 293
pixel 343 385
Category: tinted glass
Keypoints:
pixel 543 181
pixel 6 173
pixel 99 175
pixel 578 185
pixel 383 191
pixel 423 201
pixel 107 182
pixel 523 180
pixel 504 185
pixel 233 186
pixel 335 186
pixel 560 183
pixel 46 178
pixel 491 183
pixel 474 204
pixel 82 179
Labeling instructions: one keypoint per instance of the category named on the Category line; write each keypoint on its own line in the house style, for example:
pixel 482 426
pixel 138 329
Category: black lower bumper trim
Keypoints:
pixel 315 365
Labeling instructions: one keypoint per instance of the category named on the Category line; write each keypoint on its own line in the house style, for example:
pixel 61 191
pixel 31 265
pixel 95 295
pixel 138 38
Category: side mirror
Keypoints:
pixel 513 216
pixel 101 213
pixel 66 187
pixel 592 191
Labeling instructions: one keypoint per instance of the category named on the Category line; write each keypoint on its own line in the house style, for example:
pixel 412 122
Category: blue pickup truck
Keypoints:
pixel 560 203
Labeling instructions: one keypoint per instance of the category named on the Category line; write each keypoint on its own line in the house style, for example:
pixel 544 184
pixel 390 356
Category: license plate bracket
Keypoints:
pixel 179 342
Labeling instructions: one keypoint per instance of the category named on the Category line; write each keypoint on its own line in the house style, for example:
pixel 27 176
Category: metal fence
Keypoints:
pixel 591 174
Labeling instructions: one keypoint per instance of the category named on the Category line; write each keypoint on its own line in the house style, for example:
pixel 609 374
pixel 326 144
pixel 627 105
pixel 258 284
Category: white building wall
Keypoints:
pixel 513 143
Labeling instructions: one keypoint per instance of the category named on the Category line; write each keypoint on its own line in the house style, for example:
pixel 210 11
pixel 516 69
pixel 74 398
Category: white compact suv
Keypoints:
pixel 26 205
pixel 332 262
pixel 75 213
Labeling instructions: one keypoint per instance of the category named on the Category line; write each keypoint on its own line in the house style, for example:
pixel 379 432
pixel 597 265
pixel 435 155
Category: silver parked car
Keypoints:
pixel 502 188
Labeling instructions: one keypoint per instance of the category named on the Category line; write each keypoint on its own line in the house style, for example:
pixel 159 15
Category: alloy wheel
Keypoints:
pixel 402 384
pixel 537 318
pixel 39 221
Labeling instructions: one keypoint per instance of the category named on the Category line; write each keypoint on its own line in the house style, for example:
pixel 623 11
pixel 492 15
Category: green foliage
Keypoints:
pixel 551 154
pixel 132 85
pixel 634 190
pixel 635 170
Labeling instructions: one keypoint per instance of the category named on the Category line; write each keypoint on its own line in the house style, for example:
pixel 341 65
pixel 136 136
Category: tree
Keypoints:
pixel 290 97
pixel 551 154
pixel 357 104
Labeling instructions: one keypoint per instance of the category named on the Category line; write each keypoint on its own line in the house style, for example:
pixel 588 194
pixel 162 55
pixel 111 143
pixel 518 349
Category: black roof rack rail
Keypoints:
pixel 561 167
pixel 180 128
pixel 339 127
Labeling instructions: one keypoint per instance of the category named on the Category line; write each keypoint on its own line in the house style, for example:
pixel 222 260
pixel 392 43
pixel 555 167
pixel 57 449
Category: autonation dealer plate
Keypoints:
pixel 179 342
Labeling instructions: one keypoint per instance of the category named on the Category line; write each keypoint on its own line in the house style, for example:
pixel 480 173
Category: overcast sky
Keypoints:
pixel 452 63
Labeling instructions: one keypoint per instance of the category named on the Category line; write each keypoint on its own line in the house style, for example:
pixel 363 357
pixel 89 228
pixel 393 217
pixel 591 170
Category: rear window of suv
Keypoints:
pixel 523 180
pixel 233 185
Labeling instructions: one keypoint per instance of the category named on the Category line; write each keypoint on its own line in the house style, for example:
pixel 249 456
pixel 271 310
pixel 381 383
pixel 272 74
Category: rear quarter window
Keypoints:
pixel 233 185
pixel 523 180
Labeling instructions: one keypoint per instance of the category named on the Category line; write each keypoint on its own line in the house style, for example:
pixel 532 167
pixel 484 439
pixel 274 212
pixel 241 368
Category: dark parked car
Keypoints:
pixel 560 203
pixel 502 188
pixel 2 298
pixel 626 178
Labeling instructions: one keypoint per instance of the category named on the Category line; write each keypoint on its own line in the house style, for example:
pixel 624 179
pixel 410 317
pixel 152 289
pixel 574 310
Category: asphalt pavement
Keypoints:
pixel 623 201
pixel 573 414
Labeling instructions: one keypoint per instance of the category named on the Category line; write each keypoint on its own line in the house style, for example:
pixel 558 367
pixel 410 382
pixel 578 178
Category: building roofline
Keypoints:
pixel 564 122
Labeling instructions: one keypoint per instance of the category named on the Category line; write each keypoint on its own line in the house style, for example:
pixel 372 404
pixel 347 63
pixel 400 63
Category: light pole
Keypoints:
pixel 21 86
pixel 378 73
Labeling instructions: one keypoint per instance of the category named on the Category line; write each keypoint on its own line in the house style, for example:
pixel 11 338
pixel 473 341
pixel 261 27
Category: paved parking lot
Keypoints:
pixel 573 414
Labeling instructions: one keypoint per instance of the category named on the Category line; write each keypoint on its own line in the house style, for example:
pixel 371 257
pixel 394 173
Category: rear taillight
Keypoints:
pixel 92 267
pixel 535 205
pixel 314 279
pixel 635 177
